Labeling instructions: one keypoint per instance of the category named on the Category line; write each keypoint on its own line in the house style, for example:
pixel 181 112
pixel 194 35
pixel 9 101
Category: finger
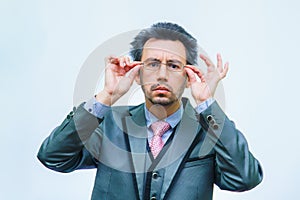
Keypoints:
pixel 111 60
pixel 126 63
pixel 119 70
pixel 132 65
pixel 219 62
pixel 197 71
pixel 127 60
pixel 122 62
pixel 191 75
pixel 133 73
pixel 194 68
pixel 225 70
pixel 207 61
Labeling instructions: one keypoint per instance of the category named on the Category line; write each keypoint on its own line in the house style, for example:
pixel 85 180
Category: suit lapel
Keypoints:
pixel 185 134
pixel 136 130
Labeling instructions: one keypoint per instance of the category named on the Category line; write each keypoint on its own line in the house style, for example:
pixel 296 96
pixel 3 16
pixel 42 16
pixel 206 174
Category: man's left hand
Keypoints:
pixel 206 87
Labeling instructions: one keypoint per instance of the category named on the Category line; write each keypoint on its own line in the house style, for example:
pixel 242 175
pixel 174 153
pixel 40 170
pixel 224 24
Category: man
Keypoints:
pixel 163 148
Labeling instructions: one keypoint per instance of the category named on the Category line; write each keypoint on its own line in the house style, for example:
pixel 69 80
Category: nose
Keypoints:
pixel 162 73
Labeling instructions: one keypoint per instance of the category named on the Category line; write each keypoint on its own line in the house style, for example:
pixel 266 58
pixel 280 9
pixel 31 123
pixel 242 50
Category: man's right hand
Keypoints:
pixel 118 79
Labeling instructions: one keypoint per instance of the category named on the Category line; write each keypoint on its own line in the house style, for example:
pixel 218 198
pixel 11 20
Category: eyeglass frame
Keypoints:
pixel 178 63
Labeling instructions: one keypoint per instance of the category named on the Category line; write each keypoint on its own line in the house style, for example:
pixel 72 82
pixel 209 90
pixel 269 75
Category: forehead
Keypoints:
pixel 164 49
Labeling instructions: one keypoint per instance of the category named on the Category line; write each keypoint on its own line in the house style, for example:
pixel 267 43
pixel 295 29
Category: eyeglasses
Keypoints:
pixel 154 65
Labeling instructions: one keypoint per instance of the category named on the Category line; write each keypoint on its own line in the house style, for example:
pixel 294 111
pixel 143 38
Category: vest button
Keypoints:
pixel 209 118
pixel 155 175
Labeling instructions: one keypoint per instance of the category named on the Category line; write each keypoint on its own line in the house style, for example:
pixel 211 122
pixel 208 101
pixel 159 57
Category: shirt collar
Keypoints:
pixel 173 119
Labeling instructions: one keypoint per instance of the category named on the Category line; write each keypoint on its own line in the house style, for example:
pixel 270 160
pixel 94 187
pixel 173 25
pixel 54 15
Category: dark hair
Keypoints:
pixel 165 31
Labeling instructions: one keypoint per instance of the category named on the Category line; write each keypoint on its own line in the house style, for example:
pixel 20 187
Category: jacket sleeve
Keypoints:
pixel 236 169
pixel 64 150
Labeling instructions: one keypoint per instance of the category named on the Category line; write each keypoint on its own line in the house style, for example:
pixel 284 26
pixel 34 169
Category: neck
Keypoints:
pixel 162 111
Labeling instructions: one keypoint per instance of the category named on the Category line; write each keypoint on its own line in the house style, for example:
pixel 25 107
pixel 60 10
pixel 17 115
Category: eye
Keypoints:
pixel 174 66
pixel 153 64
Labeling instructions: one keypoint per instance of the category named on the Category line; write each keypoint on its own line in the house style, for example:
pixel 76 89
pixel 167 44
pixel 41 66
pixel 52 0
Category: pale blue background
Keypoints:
pixel 43 45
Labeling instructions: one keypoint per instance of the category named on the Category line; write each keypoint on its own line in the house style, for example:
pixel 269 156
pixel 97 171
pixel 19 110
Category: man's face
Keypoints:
pixel 163 86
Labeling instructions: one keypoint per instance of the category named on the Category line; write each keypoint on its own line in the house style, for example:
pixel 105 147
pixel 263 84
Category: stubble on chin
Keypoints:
pixel 161 101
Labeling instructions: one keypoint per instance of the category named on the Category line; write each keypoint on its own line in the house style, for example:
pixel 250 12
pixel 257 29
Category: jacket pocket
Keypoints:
pixel 191 162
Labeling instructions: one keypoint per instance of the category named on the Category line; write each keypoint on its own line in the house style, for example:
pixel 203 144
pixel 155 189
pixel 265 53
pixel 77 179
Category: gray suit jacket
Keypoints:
pixel 204 149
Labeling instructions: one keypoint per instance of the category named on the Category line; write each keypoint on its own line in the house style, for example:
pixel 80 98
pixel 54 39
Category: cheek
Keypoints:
pixel 145 87
pixel 147 78
pixel 144 82
pixel 178 81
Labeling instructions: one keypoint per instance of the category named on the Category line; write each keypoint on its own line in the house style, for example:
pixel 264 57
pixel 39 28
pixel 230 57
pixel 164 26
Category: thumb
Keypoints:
pixel 134 72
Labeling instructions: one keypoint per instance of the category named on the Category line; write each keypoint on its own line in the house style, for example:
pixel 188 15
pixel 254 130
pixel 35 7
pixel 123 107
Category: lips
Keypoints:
pixel 161 88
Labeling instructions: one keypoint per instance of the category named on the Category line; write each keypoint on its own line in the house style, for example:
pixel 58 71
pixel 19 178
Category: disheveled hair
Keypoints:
pixel 165 31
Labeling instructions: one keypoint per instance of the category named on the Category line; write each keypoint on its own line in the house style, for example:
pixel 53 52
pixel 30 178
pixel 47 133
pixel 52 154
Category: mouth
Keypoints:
pixel 160 89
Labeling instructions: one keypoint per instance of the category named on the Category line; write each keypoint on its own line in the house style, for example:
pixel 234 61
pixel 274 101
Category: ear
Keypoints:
pixel 138 78
pixel 187 83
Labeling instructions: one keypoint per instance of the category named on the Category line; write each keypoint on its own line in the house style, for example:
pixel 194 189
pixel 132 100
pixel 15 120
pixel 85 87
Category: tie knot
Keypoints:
pixel 159 128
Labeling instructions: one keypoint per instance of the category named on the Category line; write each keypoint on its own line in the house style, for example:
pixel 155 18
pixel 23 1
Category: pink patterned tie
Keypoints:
pixel 156 144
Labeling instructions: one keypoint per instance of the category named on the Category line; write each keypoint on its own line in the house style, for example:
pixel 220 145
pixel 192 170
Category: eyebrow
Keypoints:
pixel 157 60
pixel 152 59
